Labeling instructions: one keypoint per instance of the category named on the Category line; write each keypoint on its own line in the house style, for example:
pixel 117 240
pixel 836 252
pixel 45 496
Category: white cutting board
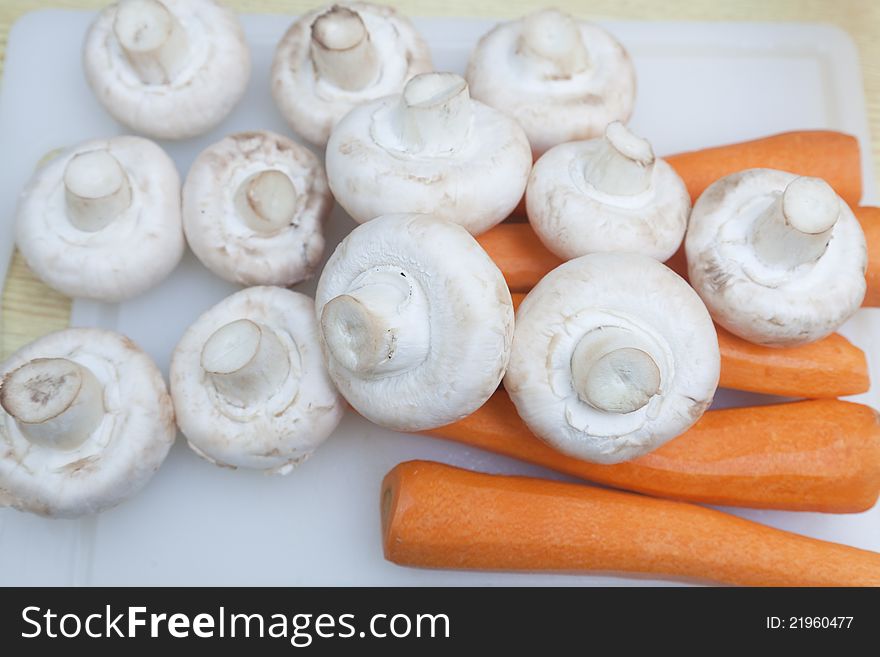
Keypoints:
pixel 700 84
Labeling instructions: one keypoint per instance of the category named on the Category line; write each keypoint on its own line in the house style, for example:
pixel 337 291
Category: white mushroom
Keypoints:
pixel 101 220
pixel 561 79
pixel 613 355
pixel 335 58
pixel 249 385
pixel 416 322
pixel 170 69
pixel 431 150
pixel 254 205
pixel 778 259
pixel 85 421
pixel 607 194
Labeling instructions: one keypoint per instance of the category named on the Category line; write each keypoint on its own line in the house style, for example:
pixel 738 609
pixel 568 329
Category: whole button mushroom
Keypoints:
pixel 432 150
pixel 416 322
pixel 607 194
pixel 249 385
pixel 85 422
pixel 170 69
pixel 335 58
pixel 778 259
pixel 613 355
pixel 254 205
pixel 561 79
pixel 101 220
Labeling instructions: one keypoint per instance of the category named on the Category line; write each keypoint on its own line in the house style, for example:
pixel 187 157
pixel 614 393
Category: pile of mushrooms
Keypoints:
pixel 169 69
pixel 249 385
pixel 433 150
pixel 560 78
pixel 416 321
pixel 85 422
pixel 101 220
pixel 333 59
pixel 613 355
pixel 607 194
pixel 779 259
pixel 254 205
pixel 610 356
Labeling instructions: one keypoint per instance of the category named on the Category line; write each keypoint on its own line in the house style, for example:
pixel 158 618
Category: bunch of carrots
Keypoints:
pixel 822 454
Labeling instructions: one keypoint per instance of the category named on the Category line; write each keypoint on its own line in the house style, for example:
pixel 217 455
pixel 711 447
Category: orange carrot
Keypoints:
pixel 869 218
pixel 438 516
pixel 833 156
pixel 821 455
pixel 831 367
pixel 519 254
pixel 524 261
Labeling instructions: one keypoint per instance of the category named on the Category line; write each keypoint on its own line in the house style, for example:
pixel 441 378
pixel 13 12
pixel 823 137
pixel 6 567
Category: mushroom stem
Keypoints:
pixel 796 227
pixel 379 327
pixel 341 49
pixel 624 164
pixel 245 361
pixel 152 39
pixel 435 113
pixel 55 402
pixel 96 190
pixel 551 41
pixel 612 375
pixel 267 201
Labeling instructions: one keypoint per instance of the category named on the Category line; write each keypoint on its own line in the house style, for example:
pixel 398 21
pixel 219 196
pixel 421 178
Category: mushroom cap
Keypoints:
pixel 760 303
pixel 201 95
pixel 312 106
pixel 122 454
pixel 554 110
pixel 215 230
pixel 470 320
pixel 477 186
pixel 572 218
pixel 134 252
pixel 607 290
pixel 284 430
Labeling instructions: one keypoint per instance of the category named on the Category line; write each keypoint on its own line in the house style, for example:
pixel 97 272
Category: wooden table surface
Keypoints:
pixel 30 309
